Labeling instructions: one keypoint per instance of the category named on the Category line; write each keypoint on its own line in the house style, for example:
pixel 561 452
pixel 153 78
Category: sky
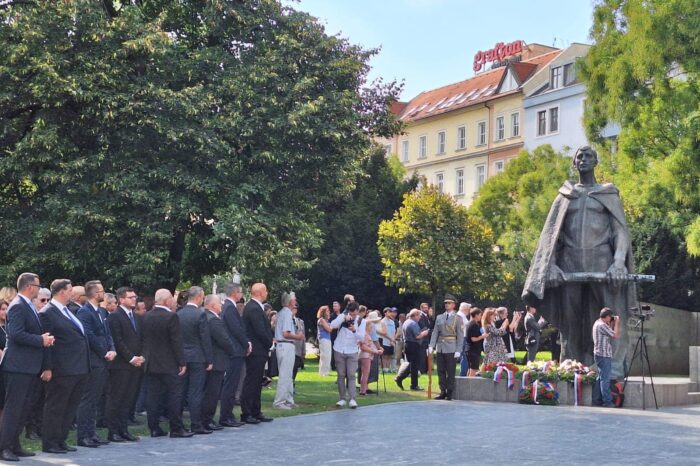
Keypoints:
pixel 431 43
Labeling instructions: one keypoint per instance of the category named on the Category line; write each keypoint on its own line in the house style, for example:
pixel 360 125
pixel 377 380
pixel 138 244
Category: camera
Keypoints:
pixel 349 309
pixel 645 311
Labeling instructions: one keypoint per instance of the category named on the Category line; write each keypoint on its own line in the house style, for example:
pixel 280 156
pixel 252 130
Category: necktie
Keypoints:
pixel 133 322
pixel 73 320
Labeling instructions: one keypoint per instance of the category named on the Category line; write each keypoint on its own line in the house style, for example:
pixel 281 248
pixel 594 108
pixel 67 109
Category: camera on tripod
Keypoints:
pixel 643 312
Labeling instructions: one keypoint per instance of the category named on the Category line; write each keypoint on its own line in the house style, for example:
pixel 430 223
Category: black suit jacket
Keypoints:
pixel 221 343
pixel 25 346
pixel 127 341
pixel 73 307
pixel 195 334
pixel 69 354
pixel 258 328
pixel 97 332
pixel 235 327
pixel 162 342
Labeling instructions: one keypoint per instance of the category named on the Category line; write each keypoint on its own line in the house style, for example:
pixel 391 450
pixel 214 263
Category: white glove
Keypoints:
pixel 458 354
pixel 430 349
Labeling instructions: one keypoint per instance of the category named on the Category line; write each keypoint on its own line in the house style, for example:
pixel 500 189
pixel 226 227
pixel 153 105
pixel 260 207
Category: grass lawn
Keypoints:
pixel 313 394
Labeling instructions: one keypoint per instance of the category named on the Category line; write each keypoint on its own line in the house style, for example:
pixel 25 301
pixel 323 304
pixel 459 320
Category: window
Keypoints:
pixel 461 137
pixel 554 120
pixel 460 181
pixel 498 166
pixel 441 142
pixel 422 146
pixel 556 82
pixel 481 133
pixel 480 176
pixel 404 151
pixel 569 74
pixel 440 181
pixel 500 128
pixel 542 123
pixel 387 149
pixel 514 125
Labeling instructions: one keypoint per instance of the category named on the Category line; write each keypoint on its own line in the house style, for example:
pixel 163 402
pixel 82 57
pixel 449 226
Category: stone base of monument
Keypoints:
pixel 670 391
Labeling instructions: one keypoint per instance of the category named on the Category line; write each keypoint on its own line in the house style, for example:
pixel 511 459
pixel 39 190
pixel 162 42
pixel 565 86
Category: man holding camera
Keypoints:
pixel 605 328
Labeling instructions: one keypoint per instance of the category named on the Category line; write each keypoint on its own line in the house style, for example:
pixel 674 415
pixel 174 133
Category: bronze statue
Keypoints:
pixel 583 262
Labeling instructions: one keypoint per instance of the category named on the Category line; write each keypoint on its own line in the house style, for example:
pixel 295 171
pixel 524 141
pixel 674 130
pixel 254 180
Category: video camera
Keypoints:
pixel 645 311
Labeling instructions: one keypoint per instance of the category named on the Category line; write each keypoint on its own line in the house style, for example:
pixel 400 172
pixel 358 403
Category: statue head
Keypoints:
pixel 585 159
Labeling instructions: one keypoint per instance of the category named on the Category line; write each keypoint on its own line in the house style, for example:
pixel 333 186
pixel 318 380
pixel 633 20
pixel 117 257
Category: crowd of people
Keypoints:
pixel 72 354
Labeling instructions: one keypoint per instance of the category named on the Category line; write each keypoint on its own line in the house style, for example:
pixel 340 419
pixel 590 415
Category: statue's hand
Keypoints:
pixel 616 274
pixel 555 276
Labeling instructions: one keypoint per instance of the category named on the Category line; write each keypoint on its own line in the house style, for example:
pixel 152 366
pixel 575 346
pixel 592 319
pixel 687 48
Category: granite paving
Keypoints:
pixel 429 432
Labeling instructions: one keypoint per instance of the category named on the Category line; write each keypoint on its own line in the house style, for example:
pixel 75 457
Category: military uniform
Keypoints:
pixel 447 339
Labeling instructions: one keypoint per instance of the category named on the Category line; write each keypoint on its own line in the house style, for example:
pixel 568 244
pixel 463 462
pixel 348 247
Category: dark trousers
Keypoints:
pixel 228 390
pixel 63 396
pixel 19 389
pixel 446 366
pixel 192 386
pixel 252 386
pixel 532 351
pixel 123 388
pixel 164 387
pixel 423 359
pixel 35 414
pixel 212 394
pixel 413 351
pixel 87 411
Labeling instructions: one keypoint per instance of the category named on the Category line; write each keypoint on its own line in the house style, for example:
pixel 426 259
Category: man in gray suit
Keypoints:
pixel 533 329
pixel 198 356
pixel 447 338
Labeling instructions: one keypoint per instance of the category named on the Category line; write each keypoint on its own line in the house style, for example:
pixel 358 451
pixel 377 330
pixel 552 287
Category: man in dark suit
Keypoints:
pixel 66 368
pixel 21 365
pixel 533 330
pixel 165 361
pixel 222 350
pixel 198 356
pixel 78 298
pixel 241 348
pixel 94 320
pixel 125 370
pixel 260 334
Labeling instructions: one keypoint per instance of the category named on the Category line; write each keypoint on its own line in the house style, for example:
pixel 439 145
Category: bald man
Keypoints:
pixel 165 361
pixel 259 333
pixel 78 298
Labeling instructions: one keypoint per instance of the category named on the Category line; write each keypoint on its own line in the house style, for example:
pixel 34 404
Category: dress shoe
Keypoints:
pixel 211 426
pixel 22 453
pixel 201 431
pixel 87 443
pixel 251 420
pixel 417 389
pixel 54 450
pixel 66 447
pixel 262 418
pixel 128 437
pixel 180 434
pixel 32 436
pixel 99 441
pixel 7 455
pixel 441 396
pixel 158 433
pixel 399 382
pixel 115 438
pixel 231 423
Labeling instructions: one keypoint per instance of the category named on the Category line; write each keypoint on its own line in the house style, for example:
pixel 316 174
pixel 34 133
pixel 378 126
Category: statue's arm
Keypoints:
pixel 620 236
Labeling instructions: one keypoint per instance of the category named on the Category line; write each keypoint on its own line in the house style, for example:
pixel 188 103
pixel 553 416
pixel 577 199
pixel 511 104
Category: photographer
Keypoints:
pixel 605 328
pixel 533 329
pixel 345 352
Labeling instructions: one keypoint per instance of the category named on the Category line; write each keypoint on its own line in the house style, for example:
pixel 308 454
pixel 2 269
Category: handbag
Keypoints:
pixel 272 368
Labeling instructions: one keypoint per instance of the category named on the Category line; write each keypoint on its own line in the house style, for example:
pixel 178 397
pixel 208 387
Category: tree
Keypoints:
pixel 642 72
pixel 143 140
pixel 515 204
pixel 433 245
pixel 348 261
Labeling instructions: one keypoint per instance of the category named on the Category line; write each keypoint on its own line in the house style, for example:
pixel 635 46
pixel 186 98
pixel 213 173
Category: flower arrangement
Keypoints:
pixel 570 368
pixel 540 393
pixel 491 367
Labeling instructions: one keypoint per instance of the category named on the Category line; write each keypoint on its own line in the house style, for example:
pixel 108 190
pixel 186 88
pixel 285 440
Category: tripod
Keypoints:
pixel 642 354
pixel 381 368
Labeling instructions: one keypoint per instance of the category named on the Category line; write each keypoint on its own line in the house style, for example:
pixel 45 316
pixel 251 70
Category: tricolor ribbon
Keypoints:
pixel 525 379
pixel 577 389
pixel 534 390
pixel 499 371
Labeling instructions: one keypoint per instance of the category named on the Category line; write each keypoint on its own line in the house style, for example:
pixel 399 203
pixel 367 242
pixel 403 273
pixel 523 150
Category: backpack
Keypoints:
pixel 617 392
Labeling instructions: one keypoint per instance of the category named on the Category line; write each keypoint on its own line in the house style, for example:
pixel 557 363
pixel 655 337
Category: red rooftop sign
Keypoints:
pixel 498 53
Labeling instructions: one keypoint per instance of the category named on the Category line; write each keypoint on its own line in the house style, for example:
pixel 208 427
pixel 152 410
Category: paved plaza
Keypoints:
pixel 460 432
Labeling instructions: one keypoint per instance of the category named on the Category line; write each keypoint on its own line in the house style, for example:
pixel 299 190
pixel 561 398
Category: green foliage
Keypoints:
pixel 143 141
pixel 514 204
pixel 433 245
pixel 349 261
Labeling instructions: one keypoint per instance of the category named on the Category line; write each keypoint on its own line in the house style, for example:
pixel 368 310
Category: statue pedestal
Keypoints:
pixel 694 367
